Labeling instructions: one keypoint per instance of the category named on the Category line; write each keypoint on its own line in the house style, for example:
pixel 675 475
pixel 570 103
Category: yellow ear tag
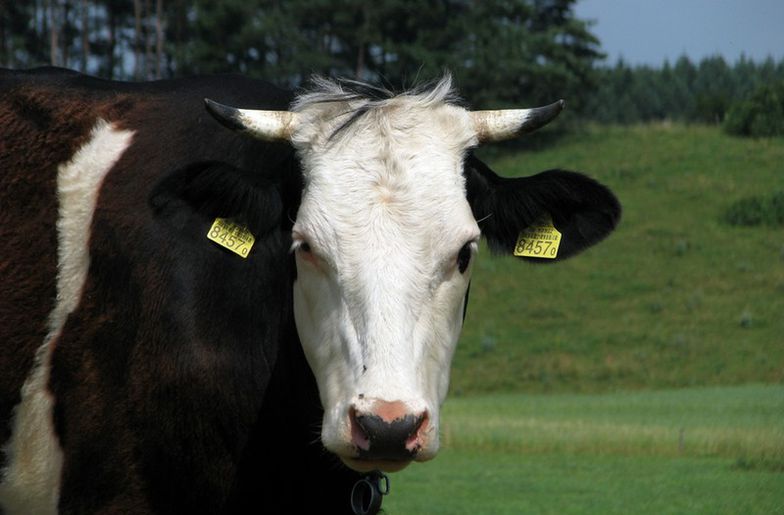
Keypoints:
pixel 237 238
pixel 541 240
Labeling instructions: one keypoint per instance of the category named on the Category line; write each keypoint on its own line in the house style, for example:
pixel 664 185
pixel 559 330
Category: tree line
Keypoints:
pixel 702 92
pixel 501 52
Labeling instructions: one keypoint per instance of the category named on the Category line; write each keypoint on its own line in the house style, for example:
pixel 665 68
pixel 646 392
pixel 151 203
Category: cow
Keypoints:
pixel 146 366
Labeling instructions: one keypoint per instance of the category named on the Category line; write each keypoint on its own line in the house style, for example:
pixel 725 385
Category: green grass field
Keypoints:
pixel 644 376
pixel 691 451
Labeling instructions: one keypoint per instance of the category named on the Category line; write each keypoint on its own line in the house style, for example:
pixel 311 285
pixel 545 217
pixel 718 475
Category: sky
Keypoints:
pixel 650 31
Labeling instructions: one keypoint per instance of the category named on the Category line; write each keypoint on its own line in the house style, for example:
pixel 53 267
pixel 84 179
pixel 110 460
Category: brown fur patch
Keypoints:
pixel 40 129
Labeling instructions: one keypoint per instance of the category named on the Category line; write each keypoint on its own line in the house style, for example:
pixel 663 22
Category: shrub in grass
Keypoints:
pixel 757 210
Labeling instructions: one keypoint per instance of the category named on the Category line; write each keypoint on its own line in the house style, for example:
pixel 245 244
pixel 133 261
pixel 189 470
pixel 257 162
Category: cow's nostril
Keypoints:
pixel 379 438
pixel 359 436
pixel 414 442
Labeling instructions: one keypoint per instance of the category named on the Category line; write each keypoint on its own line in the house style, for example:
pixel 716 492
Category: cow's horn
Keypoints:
pixel 266 125
pixel 507 123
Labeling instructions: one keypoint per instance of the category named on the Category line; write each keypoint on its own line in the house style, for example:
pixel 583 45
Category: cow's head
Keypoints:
pixel 391 214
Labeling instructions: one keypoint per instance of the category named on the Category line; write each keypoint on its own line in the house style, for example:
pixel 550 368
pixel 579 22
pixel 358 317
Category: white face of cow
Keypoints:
pixel 384 240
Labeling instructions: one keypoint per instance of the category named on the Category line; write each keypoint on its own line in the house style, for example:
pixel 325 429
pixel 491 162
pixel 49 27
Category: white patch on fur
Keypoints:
pixel 31 482
pixel 378 300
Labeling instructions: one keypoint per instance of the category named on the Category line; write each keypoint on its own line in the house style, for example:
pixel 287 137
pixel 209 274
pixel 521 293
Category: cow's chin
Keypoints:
pixel 365 466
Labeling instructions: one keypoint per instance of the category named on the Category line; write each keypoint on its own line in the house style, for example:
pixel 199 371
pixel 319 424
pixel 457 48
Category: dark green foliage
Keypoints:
pixel 501 52
pixel 525 52
pixel 757 210
pixel 760 115
pixel 686 92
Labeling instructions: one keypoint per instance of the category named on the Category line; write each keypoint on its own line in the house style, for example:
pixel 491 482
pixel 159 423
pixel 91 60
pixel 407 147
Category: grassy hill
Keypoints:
pixel 675 297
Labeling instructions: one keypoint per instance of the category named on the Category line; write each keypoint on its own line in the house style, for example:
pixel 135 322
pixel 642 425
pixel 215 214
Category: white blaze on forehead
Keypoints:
pixel 31 481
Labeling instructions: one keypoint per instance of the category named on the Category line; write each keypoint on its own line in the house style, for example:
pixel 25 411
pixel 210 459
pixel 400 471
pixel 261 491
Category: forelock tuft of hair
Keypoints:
pixel 356 98
pixel 324 90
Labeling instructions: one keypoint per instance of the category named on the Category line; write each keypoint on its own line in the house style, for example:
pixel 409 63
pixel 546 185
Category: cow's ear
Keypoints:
pixel 581 209
pixel 211 189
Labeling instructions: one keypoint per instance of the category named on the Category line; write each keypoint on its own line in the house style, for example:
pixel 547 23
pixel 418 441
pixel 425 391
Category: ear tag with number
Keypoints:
pixel 540 240
pixel 235 237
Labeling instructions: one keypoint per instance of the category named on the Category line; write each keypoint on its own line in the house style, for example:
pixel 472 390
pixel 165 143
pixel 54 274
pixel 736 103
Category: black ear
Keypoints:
pixel 211 189
pixel 582 210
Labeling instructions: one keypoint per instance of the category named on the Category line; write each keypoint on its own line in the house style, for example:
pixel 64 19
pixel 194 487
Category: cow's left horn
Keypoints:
pixel 266 125
pixel 508 123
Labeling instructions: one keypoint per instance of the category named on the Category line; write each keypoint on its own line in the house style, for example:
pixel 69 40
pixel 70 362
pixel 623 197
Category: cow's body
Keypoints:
pixel 144 369
pixel 160 372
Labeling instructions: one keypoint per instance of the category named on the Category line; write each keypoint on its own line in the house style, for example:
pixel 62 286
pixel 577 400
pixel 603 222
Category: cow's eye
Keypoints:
pixel 464 257
pixel 304 251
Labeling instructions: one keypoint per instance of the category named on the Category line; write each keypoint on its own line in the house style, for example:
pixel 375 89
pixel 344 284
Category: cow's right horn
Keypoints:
pixel 266 125
pixel 504 124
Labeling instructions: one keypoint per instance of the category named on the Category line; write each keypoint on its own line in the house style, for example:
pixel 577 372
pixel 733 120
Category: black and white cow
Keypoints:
pixel 146 369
